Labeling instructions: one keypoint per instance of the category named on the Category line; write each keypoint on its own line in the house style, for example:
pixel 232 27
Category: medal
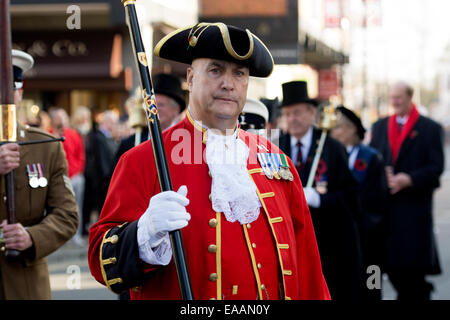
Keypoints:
pixel 286 170
pixel 264 166
pixel 42 180
pixel 33 180
pixel 275 166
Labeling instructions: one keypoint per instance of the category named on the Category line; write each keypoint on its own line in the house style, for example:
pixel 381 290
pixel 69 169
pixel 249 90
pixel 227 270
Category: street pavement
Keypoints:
pixel 70 278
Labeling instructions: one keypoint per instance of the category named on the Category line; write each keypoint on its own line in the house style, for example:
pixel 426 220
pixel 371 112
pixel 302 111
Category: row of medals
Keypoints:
pixel 36 182
pixel 282 173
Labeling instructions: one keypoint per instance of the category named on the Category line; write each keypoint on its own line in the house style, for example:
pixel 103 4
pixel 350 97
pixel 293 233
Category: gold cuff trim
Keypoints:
pixel 114 281
pixel 267 195
pixel 283 246
pixel 256 170
pixel 277 219
pixel 102 268
pixel 287 298
pixel 287 272
pixel 112 260
pixel 112 239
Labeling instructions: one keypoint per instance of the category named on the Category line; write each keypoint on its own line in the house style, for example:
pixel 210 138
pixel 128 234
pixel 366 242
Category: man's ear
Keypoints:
pixel 189 77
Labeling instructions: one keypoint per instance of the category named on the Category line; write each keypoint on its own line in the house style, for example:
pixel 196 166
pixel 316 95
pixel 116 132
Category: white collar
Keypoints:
pixel 402 120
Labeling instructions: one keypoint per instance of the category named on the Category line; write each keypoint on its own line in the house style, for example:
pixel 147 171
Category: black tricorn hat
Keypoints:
pixel 350 115
pixel 169 85
pixel 217 41
pixel 296 92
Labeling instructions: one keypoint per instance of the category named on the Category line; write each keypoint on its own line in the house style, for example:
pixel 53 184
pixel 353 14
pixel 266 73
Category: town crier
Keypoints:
pixel 238 199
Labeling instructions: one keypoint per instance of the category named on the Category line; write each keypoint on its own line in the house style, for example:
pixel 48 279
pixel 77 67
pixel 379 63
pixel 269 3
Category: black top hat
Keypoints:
pixel 217 41
pixel 296 92
pixel 169 85
pixel 350 115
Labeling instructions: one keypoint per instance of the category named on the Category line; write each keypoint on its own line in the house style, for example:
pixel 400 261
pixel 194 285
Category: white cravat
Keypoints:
pixel 232 190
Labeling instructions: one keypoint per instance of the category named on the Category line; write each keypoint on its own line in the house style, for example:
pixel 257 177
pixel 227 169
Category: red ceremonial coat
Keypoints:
pixel 274 257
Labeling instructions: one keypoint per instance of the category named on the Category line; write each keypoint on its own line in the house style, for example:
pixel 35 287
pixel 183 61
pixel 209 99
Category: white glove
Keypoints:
pixel 166 212
pixel 312 197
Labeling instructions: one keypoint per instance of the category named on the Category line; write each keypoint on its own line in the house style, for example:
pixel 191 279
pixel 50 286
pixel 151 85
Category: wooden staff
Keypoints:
pixel 8 111
pixel 159 152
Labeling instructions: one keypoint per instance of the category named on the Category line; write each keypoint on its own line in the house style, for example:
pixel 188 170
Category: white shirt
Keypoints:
pixel 306 141
pixel 402 120
pixel 352 154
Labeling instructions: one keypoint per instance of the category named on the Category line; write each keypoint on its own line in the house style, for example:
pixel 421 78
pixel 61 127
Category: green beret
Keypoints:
pixel 217 41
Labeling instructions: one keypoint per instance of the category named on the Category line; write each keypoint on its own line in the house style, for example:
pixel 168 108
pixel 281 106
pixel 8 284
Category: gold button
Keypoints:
pixel 259 266
pixel 213 277
pixel 209 197
pixel 263 287
pixel 213 223
pixel 114 239
pixel 254 245
pixel 248 226
pixel 212 248
pixel 212 298
pixel 209 174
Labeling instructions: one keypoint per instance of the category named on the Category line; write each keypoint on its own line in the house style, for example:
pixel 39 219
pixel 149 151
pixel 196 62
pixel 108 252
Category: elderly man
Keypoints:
pixel 46 210
pixel 332 198
pixel 412 148
pixel 246 236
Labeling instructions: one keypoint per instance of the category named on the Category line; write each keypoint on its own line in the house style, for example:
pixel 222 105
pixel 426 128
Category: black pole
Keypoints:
pixel 159 152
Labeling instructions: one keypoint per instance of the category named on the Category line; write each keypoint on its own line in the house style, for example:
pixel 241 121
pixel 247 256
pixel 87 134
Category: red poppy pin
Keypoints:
pixel 413 134
pixel 321 167
pixel 360 165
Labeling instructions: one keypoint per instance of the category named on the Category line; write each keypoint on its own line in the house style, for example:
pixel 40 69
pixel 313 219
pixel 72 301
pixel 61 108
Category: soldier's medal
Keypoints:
pixel 264 166
pixel 282 168
pixel 42 179
pixel 286 168
pixel 275 165
pixel 33 180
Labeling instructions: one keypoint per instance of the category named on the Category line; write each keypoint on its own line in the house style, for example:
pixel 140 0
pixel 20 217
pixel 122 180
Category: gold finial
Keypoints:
pixel 328 118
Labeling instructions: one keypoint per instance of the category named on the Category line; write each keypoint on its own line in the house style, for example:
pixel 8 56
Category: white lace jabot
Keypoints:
pixel 232 190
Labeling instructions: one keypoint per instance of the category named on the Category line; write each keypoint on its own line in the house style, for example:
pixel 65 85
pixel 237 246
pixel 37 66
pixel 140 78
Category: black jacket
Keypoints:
pixel 410 242
pixel 335 222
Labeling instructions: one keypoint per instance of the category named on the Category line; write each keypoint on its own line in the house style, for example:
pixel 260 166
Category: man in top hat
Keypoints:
pixel 171 102
pixel 246 236
pixel 332 199
pixel 46 210
pixel 254 116
pixel 412 149
pixel 366 165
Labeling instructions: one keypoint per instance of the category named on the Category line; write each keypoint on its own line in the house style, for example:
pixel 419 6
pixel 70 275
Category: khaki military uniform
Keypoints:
pixel 48 213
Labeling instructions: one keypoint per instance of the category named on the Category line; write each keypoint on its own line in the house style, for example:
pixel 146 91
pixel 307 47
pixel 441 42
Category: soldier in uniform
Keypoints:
pixel 332 199
pixel 366 165
pixel 247 232
pixel 46 210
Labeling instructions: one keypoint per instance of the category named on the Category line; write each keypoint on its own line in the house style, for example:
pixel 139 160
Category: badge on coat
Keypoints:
pixel 275 165
pixel 36 175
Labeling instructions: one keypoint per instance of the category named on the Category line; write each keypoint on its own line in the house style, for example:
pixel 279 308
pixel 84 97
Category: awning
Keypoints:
pixel 316 53
pixel 73 58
